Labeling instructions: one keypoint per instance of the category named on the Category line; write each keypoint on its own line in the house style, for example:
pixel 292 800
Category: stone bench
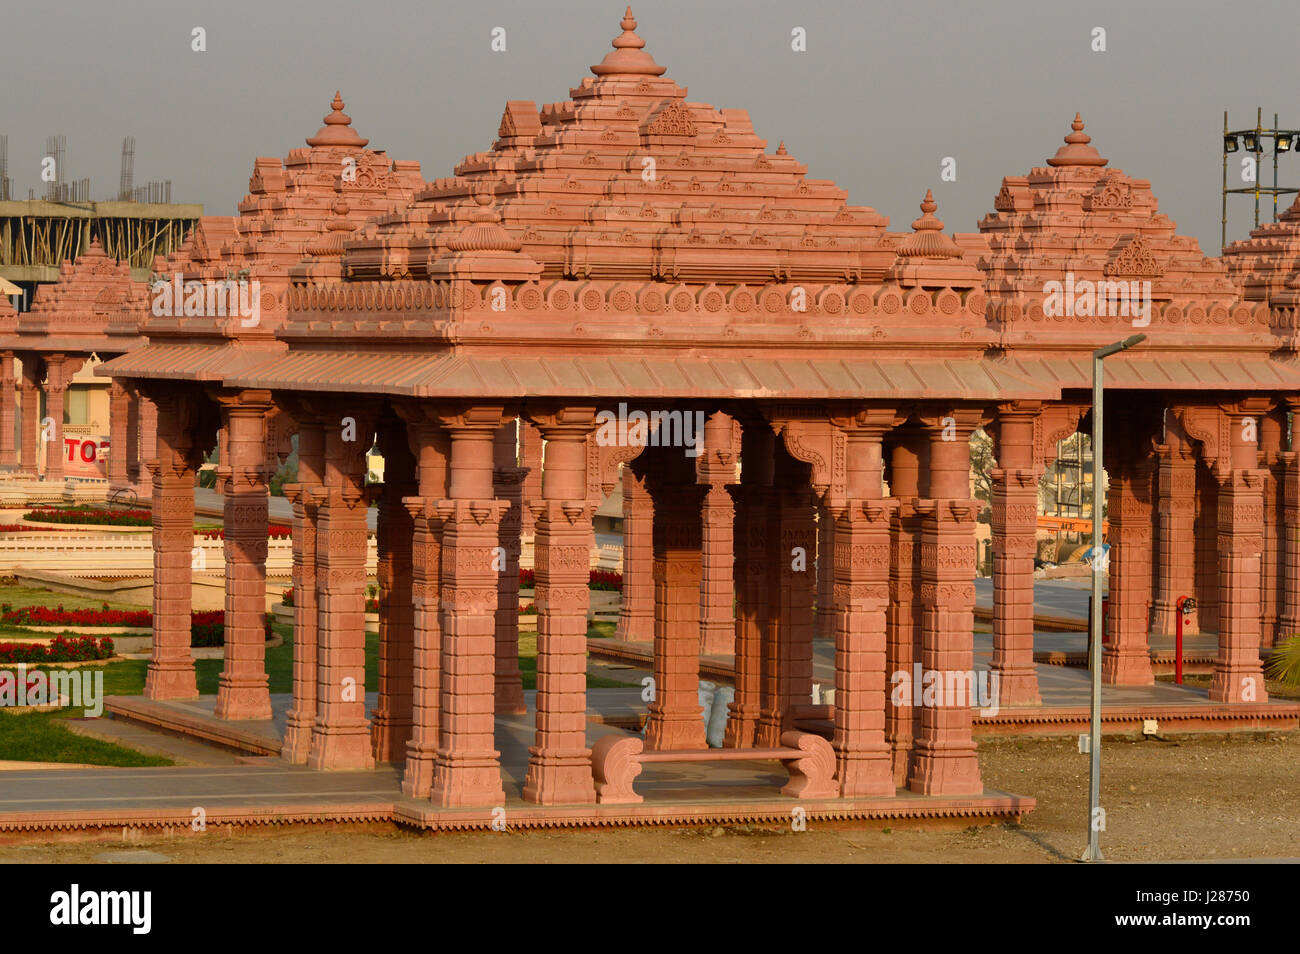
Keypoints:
pixel 616 760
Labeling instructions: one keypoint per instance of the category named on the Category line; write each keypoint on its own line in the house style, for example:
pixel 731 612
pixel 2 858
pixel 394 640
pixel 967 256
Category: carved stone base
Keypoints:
pixel 340 748
pixel 1126 667
pixel 164 681
pixel 470 781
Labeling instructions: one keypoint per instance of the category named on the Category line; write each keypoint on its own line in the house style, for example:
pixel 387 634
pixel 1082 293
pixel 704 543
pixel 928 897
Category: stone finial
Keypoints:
pixel 337 130
pixel 1077 151
pixel 928 240
pixel 629 57
pixel 484 232
pixel 780 149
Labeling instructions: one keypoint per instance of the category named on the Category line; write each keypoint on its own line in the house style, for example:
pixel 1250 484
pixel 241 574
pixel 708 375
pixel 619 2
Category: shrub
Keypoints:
pixel 60 649
pixel 58 616
pixel 96 517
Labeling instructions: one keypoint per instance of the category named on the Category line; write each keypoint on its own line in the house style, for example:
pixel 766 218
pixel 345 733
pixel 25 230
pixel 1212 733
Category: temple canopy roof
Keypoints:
pixel 630 180
pixel 1267 265
pixel 93 307
pixel 628 242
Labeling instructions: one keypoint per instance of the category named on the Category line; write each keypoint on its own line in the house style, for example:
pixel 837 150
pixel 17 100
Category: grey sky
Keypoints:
pixel 883 93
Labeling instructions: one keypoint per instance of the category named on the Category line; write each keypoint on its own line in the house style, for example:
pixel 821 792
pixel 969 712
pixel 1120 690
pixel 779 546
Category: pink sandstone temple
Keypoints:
pixel 629 250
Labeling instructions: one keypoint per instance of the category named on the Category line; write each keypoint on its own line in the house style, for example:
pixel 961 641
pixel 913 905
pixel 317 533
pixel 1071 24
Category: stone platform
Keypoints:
pixel 266 791
pixel 1065 691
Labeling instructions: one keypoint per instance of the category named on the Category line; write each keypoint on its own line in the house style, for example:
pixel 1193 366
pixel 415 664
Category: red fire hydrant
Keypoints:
pixel 1185 605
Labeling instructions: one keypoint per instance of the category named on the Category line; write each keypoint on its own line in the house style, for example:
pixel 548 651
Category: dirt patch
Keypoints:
pixel 1212 798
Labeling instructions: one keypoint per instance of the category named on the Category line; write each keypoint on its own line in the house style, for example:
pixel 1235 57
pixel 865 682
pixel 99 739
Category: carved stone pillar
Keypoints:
pixel 945 762
pixel 8 412
pixel 636 618
pixel 797 593
pixel 390 722
pixel 1272 428
pixel 58 374
pixel 468 770
pixel 119 410
pixel 432 452
pixel 242 691
pixel 507 484
pixel 171 670
pixel 1015 543
pixel 30 428
pixel 1288 622
pixel 131 447
pixel 1238 676
pixel 1126 659
pixel 301 718
pixel 559 763
pixel 753 610
pixel 675 717
pixel 861 601
pixel 1175 553
pixel 341 736
pixel 909 457
pixel 717 469
pixel 824 618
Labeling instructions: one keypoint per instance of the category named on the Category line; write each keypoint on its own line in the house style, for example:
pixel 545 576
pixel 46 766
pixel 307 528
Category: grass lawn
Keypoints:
pixel 43 737
pixel 17 596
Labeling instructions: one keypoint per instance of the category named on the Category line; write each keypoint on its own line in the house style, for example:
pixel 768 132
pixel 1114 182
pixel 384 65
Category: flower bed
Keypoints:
pixel 206 628
pixel 59 649
pixel 58 616
pixel 91 517
pixel 596 580
pixel 275 531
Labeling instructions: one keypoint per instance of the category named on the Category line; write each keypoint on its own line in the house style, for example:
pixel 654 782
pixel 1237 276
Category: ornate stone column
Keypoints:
pixel 131 447
pixel 1288 622
pixel 390 722
pixel 8 412
pixel 1175 557
pixel 909 456
pixel 341 735
pixel 30 428
pixel 508 484
pixel 1238 676
pixel 636 618
pixel 716 469
pixel 1015 543
pixel 1126 659
pixel 861 601
pixel 170 674
pixel 824 619
pixel 242 691
pixel 301 718
pixel 945 762
pixel 559 762
pixel 797 593
pixel 468 771
pixel 431 448
pixel 1272 428
pixel 119 409
pixel 58 373
pixel 148 426
pixel 753 610
pixel 675 718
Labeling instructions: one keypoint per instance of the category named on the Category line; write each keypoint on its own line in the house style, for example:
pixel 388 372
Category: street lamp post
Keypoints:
pixel 1098 567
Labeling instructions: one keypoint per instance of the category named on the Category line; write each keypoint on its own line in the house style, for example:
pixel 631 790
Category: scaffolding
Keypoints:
pixel 1252 141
